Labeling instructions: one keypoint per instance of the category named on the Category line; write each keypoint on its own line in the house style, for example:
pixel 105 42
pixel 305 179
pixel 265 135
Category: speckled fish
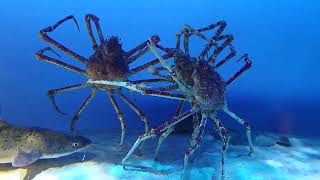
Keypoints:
pixel 22 146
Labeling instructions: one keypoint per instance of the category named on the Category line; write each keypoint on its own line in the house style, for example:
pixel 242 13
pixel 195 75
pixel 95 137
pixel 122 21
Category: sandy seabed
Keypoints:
pixel 103 161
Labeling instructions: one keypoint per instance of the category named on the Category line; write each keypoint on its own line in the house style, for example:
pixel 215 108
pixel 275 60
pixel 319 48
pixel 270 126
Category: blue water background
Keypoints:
pixel 280 93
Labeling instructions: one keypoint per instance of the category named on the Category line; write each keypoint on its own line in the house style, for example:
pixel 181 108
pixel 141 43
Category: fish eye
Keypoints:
pixel 75 144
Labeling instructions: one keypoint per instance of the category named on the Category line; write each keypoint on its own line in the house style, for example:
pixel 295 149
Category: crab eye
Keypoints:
pixel 75 144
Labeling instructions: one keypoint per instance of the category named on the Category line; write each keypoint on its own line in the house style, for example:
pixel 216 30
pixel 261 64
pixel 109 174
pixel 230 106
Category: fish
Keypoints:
pixel 22 146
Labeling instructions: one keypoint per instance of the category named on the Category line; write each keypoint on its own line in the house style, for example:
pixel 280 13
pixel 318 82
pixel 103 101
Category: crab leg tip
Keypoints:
pixel 75 21
pixel 187 26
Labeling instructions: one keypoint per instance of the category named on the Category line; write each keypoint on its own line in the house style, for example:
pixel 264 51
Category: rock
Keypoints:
pixel 263 139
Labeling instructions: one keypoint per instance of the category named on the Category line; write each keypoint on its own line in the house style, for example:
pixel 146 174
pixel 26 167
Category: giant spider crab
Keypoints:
pixel 108 62
pixel 199 83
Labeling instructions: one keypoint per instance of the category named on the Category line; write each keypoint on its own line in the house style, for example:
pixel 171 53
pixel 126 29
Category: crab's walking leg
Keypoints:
pixel 227 43
pixel 165 134
pixel 222 131
pixel 218 49
pixel 154 132
pixel 162 137
pixel 232 54
pixel 142 48
pixel 143 90
pixel 149 81
pixel 167 88
pixel 151 63
pixel 247 66
pixel 95 19
pixel 136 110
pixel 139 54
pixel 221 26
pixel 170 70
pixel 205 51
pixel 194 145
pixel 213 41
pixel 243 123
pixel 83 106
pixel 43 35
pixel 156 72
pixel 120 117
pixel 195 121
pixel 40 55
pixel 53 92
pixel 186 42
pixel 190 30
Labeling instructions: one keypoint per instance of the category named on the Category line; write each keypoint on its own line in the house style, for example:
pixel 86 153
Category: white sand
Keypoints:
pixel 302 161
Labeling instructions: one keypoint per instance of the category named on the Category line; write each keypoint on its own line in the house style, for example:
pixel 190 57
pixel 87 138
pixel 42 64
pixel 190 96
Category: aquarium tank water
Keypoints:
pixel 162 89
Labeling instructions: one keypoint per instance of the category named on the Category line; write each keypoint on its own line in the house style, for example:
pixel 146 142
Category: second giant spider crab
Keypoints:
pixel 108 62
pixel 199 83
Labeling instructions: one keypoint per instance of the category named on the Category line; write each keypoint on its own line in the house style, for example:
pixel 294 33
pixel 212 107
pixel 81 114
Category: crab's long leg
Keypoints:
pixel 166 50
pixel 205 51
pixel 136 110
pixel 189 30
pixel 224 137
pixel 148 64
pixel 156 70
pixel 83 106
pixel 40 55
pixel 43 35
pixel 220 24
pixel 149 81
pixel 245 124
pixel 165 134
pixel 95 20
pixel 53 92
pixel 139 54
pixel 141 48
pixel 232 54
pixel 248 64
pixel 170 70
pixel 226 43
pixel 195 121
pixel 213 42
pixel 154 132
pixel 162 88
pixel 167 88
pixel 218 49
pixel 120 117
pixel 186 42
pixel 143 90
pixel 194 145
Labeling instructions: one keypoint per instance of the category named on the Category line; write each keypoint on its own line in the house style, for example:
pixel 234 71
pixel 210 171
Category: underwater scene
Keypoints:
pixel 161 89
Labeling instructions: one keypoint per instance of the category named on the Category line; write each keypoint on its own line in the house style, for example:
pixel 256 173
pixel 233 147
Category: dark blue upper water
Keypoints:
pixel 279 93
